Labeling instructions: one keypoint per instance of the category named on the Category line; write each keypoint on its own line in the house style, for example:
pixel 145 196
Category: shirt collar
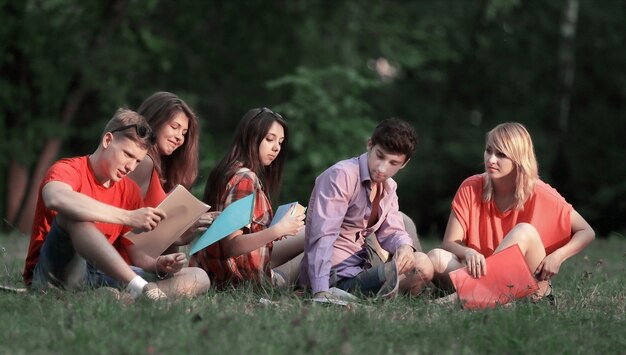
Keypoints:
pixel 364 171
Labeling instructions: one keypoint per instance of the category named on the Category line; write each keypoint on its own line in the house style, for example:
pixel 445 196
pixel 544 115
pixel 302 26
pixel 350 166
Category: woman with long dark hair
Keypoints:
pixel 253 164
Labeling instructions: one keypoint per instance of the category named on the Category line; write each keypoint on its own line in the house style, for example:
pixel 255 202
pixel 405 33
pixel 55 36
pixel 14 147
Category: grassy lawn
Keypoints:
pixel 589 318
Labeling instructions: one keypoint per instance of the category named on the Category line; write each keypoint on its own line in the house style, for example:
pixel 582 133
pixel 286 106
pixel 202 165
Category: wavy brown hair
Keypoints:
pixel 181 167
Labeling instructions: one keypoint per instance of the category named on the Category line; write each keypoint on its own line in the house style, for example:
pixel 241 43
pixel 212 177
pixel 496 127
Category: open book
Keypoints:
pixel 182 210
pixel 284 209
pixel 508 278
pixel 235 216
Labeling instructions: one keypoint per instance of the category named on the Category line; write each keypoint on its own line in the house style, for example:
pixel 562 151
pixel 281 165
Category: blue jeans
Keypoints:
pixel 366 283
pixel 60 266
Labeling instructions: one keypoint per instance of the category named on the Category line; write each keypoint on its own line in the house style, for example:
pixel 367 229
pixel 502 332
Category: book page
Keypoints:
pixel 182 210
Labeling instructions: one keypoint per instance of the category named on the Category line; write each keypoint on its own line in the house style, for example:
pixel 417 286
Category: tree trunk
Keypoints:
pixel 113 15
pixel 17 180
pixel 566 56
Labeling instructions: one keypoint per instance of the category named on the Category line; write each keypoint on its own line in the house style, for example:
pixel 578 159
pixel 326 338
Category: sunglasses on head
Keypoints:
pixel 142 132
pixel 265 109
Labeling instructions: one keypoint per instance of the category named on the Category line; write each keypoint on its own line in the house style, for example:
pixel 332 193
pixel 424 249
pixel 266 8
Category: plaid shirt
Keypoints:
pixel 251 266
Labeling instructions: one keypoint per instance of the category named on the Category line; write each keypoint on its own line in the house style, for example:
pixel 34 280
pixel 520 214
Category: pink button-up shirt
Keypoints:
pixel 336 223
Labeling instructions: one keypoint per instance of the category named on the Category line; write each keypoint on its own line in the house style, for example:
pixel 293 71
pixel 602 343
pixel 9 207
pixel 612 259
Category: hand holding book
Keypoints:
pixel 289 219
pixel 176 213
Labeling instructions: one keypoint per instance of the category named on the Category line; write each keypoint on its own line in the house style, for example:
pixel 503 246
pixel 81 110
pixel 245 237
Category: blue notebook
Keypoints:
pixel 283 209
pixel 235 216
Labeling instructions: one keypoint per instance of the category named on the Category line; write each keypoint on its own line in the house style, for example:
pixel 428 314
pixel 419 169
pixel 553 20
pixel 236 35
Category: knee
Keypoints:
pixel 439 260
pixel 73 227
pixel 526 232
pixel 424 265
pixel 200 279
pixel 411 230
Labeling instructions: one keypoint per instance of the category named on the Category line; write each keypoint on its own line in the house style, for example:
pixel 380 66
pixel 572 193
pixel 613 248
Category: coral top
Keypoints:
pixel 485 225
pixel 155 193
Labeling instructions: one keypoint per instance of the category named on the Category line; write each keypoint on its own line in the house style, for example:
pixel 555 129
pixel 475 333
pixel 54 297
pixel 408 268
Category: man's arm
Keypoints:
pixel 60 197
pixel 391 233
pixel 394 238
pixel 326 211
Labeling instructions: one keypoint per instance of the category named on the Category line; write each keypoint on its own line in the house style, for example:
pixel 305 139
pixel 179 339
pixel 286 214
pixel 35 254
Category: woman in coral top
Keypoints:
pixel 507 205
pixel 253 164
pixel 173 159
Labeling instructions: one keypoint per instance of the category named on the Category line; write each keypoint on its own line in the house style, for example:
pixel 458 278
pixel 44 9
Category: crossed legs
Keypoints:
pixel 414 281
pixel 523 234
pixel 74 244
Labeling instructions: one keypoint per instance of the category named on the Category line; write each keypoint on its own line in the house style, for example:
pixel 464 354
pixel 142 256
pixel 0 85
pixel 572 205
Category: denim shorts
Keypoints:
pixel 60 266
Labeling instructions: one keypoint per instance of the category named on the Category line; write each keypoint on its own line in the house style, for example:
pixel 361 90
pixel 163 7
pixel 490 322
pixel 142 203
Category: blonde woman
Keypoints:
pixel 508 204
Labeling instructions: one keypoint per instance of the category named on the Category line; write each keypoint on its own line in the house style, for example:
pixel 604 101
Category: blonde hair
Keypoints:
pixel 513 140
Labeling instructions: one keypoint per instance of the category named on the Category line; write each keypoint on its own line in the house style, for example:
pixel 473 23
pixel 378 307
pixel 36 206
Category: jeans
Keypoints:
pixel 367 282
pixel 60 266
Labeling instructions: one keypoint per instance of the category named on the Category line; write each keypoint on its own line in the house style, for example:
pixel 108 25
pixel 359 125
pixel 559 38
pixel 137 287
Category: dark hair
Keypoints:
pixel 181 167
pixel 125 118
pixel 395 136
pixel 244 151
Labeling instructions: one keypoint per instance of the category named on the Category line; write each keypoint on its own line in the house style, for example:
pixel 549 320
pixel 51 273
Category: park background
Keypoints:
pixel 333 69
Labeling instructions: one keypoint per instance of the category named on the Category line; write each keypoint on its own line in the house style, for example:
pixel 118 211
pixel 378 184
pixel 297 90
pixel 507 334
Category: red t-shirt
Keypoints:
pixel 77 173
pixel 485 226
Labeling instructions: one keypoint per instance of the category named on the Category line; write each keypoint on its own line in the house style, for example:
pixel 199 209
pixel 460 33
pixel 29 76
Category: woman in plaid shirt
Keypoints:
pixel 253 164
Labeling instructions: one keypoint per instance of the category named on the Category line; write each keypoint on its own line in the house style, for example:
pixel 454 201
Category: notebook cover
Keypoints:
pixel 508 278
pixel 282 210
pixel 235 216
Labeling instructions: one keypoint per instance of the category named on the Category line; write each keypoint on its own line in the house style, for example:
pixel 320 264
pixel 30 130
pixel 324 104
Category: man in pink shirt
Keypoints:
pixel 353 201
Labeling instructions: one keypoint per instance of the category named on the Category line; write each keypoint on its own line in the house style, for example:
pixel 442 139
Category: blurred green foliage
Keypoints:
pixel 452 68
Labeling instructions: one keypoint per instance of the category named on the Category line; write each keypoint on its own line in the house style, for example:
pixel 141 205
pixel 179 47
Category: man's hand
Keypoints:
pixel 145 219
pixel 405 260
pixel 170 263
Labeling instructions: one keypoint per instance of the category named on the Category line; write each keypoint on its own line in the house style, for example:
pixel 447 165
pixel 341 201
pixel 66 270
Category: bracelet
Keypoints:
pixel 156 269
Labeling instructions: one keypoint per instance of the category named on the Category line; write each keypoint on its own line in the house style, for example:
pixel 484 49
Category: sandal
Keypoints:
pixel 547 295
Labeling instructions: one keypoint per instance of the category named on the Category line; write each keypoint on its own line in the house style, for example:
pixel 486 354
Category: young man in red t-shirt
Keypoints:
pixel 84 206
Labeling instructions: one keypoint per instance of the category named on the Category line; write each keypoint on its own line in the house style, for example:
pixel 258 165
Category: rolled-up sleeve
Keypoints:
pixel 326 211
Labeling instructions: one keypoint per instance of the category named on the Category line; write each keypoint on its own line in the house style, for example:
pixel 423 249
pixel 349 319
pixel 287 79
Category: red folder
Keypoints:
pixel 508 278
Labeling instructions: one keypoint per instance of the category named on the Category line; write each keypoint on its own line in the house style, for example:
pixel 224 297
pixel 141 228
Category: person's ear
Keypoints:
pixel 107 139
pixel 369 144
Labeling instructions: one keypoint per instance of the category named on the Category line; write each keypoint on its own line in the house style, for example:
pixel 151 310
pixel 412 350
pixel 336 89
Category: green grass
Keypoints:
pixel 590 318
